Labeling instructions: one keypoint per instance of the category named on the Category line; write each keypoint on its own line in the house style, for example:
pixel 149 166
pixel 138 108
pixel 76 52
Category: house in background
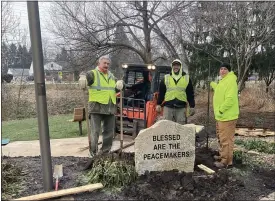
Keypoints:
pixel 57 71
pixel 52 67
pixel 19 73
pixel 67 71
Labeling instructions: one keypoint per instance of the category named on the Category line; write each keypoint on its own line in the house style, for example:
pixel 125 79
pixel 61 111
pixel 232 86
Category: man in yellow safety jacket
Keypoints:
pixel 176 94
pixel 226 111
pixel 102 103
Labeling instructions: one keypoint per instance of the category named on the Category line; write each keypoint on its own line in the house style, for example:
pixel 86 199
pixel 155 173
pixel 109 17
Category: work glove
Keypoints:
pixel 192 111
pixel 82 82
pixel 119 84
pixel 158 108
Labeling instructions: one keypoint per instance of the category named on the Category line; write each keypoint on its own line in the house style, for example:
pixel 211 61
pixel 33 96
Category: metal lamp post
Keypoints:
pixel 40 93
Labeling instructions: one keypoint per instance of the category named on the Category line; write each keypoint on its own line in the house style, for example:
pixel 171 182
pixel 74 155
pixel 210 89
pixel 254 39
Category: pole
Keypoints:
pixel 208 103
pixel 121 121
pixel 40 93
pixel 87 117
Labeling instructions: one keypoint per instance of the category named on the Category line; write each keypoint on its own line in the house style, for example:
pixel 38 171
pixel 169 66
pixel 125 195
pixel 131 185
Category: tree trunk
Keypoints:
pixel 147 32
pixel 242 77
pixel 266 89
pixel 241 85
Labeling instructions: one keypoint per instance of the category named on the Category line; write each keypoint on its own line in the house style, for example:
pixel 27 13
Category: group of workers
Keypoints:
pixel 176 94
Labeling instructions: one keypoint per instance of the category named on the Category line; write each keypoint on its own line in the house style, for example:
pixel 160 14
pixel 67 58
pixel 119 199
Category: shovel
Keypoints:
pixel 57 174
pixel 87 118
pixel 121 123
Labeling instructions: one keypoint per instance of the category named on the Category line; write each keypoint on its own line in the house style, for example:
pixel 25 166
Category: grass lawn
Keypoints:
pixel 27 129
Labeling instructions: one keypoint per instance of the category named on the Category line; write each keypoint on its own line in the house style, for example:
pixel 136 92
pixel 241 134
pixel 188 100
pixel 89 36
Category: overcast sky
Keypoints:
pixel 20 10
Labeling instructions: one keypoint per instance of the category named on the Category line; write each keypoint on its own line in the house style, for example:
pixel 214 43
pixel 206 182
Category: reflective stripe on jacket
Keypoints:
pixel 176 91
pixel 102 89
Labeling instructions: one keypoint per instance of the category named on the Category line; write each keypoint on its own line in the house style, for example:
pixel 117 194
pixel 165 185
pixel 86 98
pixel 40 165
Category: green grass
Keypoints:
pixel 27 129
pixel 257 145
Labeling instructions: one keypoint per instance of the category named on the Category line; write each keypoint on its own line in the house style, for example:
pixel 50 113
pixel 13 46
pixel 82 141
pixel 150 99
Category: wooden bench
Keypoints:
pixel 79 116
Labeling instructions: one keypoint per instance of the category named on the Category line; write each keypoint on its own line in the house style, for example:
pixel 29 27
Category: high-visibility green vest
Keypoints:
pixel 102 90
pixel 174 90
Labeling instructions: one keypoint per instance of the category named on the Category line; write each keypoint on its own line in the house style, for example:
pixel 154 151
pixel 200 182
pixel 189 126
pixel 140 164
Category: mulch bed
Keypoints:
pixel 169 185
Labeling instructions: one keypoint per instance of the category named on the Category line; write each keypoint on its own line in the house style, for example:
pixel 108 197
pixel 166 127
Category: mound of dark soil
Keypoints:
pixel 32 180
pixel 173 185
pixel 267 177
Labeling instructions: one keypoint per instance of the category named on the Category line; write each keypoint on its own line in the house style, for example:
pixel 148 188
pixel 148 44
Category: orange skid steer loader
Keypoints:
pixel 139 98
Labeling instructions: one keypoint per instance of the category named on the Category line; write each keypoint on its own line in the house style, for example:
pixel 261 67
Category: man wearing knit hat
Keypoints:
pixel 176 94
pixel 226 112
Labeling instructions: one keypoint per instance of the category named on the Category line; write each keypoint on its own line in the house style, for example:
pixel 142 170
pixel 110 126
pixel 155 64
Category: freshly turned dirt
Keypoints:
pixel 33 180
pixel 224 185
pixel 169 185
pixel 173 185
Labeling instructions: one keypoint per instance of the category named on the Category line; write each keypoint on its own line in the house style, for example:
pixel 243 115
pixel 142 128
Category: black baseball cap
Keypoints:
pixel 226 65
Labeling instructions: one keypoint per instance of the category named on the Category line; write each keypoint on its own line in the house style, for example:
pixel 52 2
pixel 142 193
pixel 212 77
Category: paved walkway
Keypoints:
pixel 59 147
pixel 64 147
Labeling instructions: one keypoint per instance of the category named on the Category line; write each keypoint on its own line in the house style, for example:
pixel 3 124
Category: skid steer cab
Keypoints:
pixel 139 96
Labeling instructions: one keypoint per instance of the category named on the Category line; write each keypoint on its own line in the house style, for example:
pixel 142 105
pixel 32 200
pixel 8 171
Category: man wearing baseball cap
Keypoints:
pixel 226 112
pixel 176 94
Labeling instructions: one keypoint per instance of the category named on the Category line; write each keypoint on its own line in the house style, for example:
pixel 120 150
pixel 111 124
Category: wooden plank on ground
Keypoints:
pixel 206 169
pixel 254 132
pixel 70 191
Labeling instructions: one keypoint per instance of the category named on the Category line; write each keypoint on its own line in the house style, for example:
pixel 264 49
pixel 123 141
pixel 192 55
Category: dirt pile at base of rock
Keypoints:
pixel 173 185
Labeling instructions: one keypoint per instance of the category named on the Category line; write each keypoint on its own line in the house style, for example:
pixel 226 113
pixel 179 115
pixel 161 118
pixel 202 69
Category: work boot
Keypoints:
pixel 219 165
pixel 229 167
pixel 89 164
pixel 217 158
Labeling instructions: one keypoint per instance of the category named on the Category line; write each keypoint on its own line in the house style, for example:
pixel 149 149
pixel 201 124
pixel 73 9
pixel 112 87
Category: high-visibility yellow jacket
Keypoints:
pixel 174 90
pixel 103 88
pixel 225 100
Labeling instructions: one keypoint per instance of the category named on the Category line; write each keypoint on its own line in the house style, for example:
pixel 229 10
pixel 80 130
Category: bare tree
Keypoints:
pixel 186 29
pixel 237 30
pixel 264 64
pixel 241 28
pixel 269 77
pixel 9 22
pixel 90 26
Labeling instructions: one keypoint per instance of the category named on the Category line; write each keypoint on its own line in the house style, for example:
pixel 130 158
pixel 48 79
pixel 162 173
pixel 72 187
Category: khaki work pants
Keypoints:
pixel 175 114
pixel 225 131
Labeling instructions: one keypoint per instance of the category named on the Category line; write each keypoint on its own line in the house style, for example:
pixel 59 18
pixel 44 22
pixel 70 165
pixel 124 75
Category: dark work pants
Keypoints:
pixel 107 131
pixel 175 114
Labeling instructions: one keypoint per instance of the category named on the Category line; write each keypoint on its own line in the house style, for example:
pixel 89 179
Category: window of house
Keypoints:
pixel 47 73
